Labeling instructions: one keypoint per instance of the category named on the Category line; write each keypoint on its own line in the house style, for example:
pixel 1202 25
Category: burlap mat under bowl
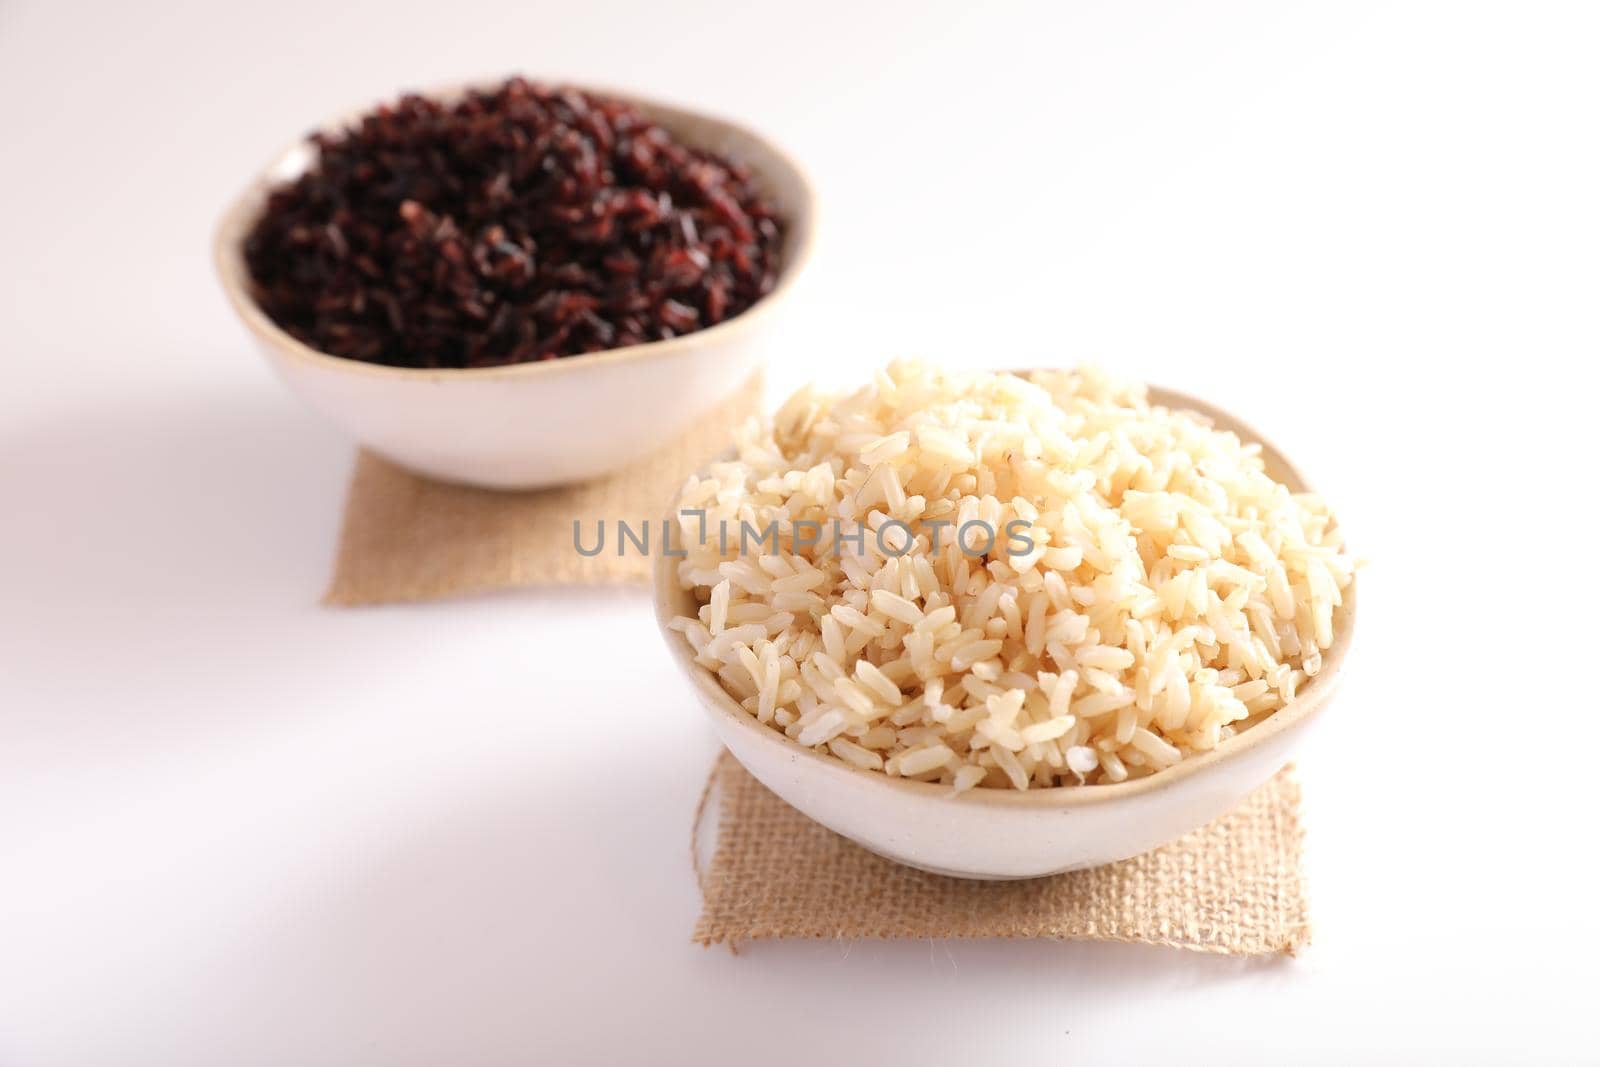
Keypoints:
pixel 408 538
pixel 1233 887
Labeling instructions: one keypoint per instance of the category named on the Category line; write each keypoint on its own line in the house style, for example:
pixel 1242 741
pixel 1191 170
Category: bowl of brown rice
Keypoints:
pixel 1003 625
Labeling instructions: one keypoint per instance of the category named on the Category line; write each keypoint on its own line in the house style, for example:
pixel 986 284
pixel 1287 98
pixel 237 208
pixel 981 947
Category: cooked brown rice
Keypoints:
pixel 1145 590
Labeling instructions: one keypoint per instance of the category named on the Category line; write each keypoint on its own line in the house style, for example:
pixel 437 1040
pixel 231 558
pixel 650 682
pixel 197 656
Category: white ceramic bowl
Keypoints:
pixel 994 833
pixel 532 425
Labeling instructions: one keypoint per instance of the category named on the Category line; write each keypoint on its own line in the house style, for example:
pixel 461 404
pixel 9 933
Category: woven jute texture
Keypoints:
pixel 408 538
pixel 1233 887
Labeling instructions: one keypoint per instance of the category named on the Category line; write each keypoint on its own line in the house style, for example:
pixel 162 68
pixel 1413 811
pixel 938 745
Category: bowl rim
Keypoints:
pixel 1308 700
pixel 227 245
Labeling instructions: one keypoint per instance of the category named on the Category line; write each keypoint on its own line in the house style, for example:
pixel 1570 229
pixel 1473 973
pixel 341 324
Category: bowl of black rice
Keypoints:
pixel 517 285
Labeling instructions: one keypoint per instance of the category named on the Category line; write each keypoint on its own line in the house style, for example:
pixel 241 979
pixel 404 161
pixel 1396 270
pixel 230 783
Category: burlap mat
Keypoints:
pixel 408 538
pixel 1233 887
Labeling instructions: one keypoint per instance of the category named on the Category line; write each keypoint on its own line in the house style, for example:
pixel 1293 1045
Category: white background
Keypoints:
pixel 238 828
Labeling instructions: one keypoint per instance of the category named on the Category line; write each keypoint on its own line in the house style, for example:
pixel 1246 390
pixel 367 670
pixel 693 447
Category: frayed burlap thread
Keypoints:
pixel 1233 887
pixel 408 538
